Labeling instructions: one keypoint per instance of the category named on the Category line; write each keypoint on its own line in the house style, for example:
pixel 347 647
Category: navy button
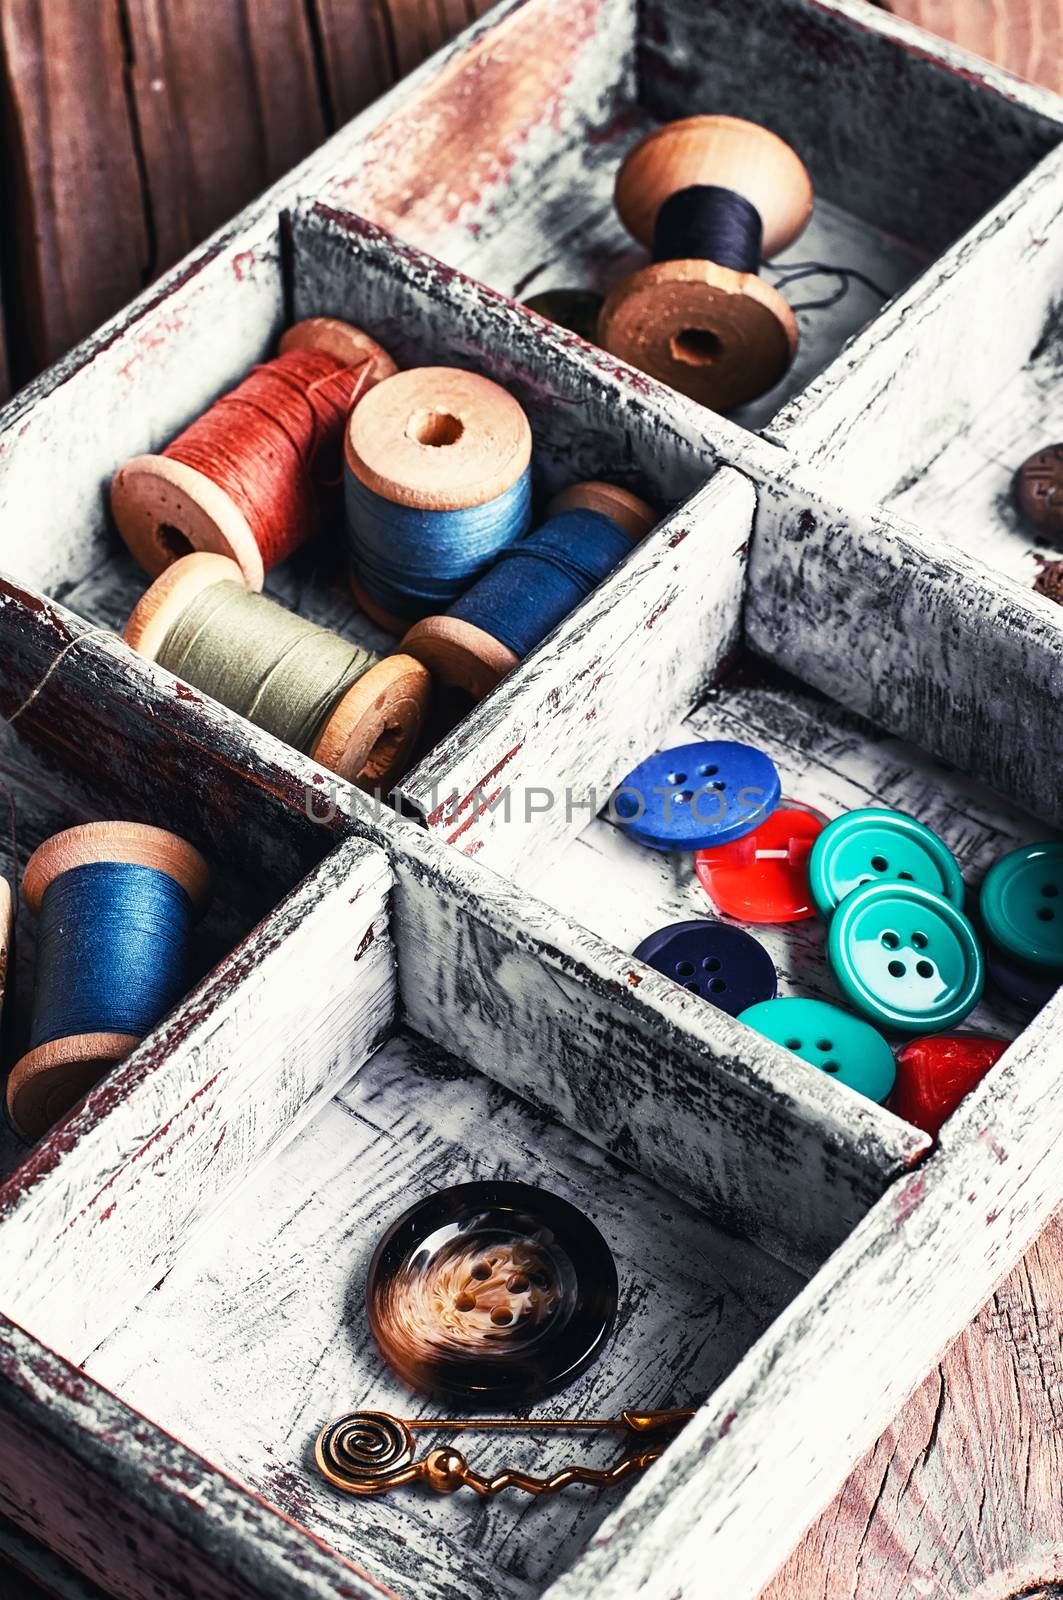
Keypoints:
pixel 1025 986
pixel 722 964
pixel 697 795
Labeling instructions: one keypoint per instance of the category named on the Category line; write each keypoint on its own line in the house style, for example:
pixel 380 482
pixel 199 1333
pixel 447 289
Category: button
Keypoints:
pixel 721 964
pixel 696 795
pixel 1022 904
pixel 763 877
pixel 1027 987
pixel 879 846
pixel 491 1293
pixel 933 1075
pixel 1038 491
pixel 828 1038
pixel 905 957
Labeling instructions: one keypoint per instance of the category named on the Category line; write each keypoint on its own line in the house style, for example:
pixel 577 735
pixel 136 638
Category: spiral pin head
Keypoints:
pixel 365 1452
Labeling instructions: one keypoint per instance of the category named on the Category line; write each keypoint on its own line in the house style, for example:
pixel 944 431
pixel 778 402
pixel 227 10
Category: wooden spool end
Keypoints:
pixel 459 655
pixel 727 152
pixel 46 1082
pixel 371 734
pixel 719 336
pixel 438 439
pixel 170 596
pixel 631 515
pixel 342 340
pixel 164 509
pixel 135 842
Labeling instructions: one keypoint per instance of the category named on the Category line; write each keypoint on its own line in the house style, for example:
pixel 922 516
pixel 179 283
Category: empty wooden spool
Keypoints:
pixel 718 335
pixel 48 1080
pixel 164 509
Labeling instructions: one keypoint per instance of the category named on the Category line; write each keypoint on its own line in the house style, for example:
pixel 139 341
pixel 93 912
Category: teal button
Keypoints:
pixel 906 957
pixel 879 846
pixel 828 1038
pixel 1022 904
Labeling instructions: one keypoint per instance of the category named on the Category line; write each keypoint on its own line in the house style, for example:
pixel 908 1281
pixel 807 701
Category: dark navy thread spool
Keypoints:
pixel 711 197
pixel 115 903
pixel 437 484
pixel 532 586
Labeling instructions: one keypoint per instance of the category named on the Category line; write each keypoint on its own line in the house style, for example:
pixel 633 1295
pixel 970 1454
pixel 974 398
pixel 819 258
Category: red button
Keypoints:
pixel 933 1075
pixel 763 877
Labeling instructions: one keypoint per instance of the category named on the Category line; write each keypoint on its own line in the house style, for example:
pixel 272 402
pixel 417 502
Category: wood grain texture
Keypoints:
pixel 962 1494
pixel 1025 36
pixel 75 156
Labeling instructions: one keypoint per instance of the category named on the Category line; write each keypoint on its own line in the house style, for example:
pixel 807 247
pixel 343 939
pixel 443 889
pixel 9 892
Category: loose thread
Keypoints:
pixel 281 672
pixel 274 444
pixel 794 272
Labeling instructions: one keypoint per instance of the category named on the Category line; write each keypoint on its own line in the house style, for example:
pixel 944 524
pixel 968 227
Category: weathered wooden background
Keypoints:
pixel 132 128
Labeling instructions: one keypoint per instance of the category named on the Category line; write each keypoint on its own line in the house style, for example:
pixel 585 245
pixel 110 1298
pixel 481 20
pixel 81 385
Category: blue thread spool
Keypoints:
pixel 708 195
pixel 115 903
pixel 437 482
pixel 532 586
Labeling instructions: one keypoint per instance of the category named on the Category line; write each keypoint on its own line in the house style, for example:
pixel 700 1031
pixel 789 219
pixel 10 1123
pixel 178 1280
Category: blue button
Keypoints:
pixel 1022 904
pixel 696 795
pixel 721 964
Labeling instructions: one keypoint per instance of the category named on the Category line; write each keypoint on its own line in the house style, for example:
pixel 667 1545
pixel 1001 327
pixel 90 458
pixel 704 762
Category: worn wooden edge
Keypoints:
pixel 800 1409
pixel 517 338
pixel 134 1509
pixel 108 1207
pixel 872 610
pixel 881 380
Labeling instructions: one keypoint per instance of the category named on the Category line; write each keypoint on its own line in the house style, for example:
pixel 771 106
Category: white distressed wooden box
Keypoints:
pixel 396 1000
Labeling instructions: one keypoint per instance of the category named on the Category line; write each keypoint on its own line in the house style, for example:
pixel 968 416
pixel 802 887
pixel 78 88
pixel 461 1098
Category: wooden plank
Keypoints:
pixel 134 1510
pixel 1025 36
pixel 227 1079
pixel 76 158
pixel 762 1457
pixel 226 100
pixel 978 1446
pixel 913 634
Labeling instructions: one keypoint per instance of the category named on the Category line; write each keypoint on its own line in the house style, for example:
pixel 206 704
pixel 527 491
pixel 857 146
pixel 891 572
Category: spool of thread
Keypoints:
pixel 710 196
pixel 246 479
pixel 115 903
pixel 531 587
pixel 357 714
pixel 437 483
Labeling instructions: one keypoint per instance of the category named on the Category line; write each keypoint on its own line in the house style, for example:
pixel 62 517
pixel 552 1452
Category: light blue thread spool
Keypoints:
pixel 115 905
pixel 531 587
pixel 437 484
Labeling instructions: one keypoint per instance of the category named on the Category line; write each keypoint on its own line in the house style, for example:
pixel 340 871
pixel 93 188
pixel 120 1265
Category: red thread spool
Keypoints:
pixel 247 478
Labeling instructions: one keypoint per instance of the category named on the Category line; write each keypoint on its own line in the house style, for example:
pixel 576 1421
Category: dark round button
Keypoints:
pixel 1030 988
pixel 491 1294
pixel 722 964
pixel 574 309
pixel 1038 492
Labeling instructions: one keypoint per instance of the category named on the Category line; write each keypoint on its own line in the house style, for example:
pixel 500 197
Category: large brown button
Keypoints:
pixel 1039 493
pixel 491 1293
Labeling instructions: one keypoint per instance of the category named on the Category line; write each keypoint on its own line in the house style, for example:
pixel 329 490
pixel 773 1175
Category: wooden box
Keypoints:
pixel 404 998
